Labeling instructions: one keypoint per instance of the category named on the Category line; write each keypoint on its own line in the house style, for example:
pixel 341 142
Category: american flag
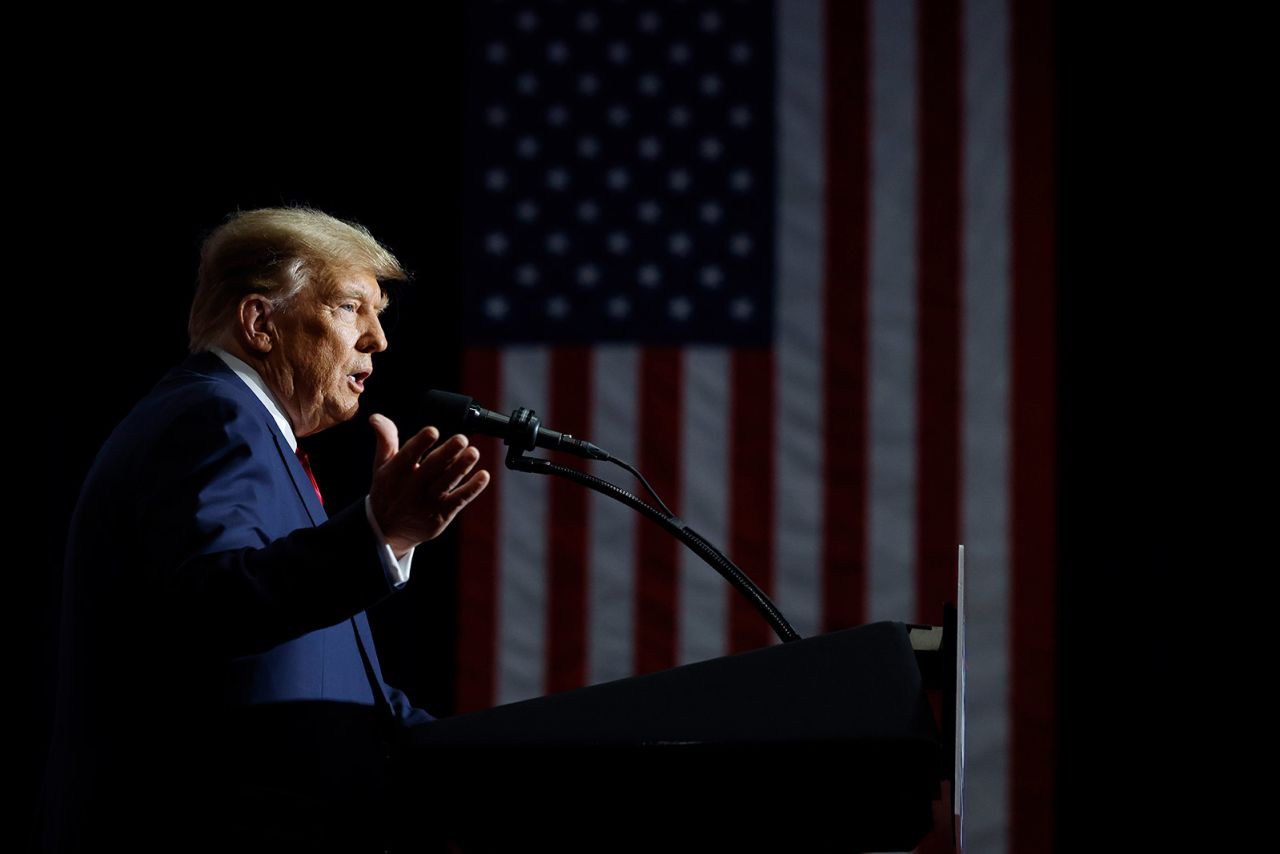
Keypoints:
pixel 794 261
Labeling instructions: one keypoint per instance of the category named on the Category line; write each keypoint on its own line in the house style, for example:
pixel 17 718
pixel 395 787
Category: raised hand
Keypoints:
pixel 418 489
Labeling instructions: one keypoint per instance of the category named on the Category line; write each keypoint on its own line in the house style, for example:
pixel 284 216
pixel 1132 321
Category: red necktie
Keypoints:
pixel 306 466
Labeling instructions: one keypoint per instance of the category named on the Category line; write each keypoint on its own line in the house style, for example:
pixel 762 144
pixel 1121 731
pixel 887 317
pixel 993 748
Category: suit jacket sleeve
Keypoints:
pixel 228 547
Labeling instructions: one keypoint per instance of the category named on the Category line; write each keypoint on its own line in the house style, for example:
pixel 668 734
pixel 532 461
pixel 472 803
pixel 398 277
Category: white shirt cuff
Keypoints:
pixel 397 570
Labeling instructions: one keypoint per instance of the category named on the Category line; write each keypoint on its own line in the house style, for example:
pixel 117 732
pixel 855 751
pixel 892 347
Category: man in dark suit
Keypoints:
pixel 218 682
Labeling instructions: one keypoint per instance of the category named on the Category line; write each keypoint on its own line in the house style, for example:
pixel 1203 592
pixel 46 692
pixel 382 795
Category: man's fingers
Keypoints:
pixel 434 464
pixel 417 446
pixel 464 492
pixel 457 468
pixel 388 439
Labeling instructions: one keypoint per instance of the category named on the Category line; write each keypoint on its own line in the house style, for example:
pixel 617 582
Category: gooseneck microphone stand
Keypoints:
pixel 520 439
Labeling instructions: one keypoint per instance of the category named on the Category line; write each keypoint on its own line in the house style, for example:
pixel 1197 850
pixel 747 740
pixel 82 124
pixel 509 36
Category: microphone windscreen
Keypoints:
pixel 446 410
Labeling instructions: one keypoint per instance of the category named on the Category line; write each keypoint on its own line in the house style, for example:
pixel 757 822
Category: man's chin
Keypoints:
pixel 345 415
pixel 330 419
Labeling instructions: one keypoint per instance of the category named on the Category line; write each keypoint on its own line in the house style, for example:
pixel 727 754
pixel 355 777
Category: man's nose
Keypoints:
pixel 373 340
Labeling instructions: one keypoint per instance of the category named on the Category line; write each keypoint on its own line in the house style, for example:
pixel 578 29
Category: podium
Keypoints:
pixel 827 743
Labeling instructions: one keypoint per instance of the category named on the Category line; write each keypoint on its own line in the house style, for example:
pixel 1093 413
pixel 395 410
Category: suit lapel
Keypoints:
pixel 301 483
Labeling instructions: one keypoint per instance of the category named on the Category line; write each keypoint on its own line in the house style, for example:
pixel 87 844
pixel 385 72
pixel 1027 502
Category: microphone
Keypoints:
pixel 456 413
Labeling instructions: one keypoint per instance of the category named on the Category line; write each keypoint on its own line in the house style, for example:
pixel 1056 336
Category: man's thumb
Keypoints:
pixel 388 439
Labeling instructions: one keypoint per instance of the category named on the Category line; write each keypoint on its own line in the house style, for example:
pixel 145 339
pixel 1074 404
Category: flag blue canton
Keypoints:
pixel 619 174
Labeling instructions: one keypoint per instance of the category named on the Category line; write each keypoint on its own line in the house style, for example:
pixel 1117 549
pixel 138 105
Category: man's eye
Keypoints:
pixel 348 306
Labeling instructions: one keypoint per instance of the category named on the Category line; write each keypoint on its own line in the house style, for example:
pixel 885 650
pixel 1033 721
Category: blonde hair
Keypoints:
pixel 277 252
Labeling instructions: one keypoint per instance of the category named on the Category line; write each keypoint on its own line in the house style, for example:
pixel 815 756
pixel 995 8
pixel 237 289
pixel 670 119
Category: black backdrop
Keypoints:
pixel 133 170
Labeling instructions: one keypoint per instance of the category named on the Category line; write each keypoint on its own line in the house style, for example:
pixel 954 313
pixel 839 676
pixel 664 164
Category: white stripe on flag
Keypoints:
pixel 892 313
pixel 522 542
pixel 612 526
pixel 702 604
pixel 800 237
pixel 986 418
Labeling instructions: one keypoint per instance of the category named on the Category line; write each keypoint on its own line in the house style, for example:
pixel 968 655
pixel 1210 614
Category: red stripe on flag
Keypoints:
pixel 751 484
pixel 661 396
pixel 938 310
pixel 478 561
pixel 567 546
pixel 1034 443
pixel 844 510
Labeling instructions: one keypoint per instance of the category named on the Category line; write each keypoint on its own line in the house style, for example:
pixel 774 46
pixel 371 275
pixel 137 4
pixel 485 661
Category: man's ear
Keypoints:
pixel 255 328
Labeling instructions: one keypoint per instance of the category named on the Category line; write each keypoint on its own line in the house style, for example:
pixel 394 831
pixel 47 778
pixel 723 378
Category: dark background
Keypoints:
pixel 147 152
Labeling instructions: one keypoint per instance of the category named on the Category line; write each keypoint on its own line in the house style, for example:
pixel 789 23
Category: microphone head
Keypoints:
pixel 446 410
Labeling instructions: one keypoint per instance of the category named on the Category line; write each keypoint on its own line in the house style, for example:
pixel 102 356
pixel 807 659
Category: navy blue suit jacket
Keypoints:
pixel 210 612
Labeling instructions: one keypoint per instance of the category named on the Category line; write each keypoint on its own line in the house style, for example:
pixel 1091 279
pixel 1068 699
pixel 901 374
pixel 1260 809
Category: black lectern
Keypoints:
pixel 821 744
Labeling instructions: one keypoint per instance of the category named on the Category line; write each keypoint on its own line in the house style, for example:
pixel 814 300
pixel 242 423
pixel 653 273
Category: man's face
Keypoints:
pixel 323 351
